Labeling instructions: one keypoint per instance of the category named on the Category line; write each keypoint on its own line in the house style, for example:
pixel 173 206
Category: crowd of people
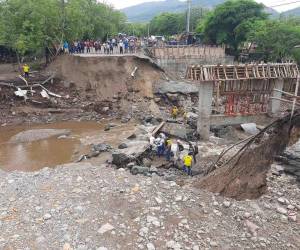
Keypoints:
pixel 117 45
pixel 182 157
pixel 175 152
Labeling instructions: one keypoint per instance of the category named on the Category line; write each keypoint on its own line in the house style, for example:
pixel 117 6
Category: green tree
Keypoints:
pixel 175 23
pixel 136 29
pixel 167 24
pixel 226 24
pixel 30 26
pixel 276 39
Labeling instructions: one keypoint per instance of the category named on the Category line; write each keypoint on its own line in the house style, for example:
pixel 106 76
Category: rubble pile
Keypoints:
pixel 122 195
pixel 80 206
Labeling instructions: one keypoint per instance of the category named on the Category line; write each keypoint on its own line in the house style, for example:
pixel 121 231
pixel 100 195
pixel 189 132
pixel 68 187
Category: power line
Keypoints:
pixel 278 5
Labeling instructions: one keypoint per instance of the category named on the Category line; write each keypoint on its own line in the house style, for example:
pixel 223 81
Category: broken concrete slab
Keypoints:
pixel 37 134
pixel 177 130
pixel 176 87
pixel 250 128
pixel 134 150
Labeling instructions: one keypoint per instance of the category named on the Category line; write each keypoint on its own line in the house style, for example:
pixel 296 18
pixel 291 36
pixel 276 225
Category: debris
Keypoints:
pixel 153 220
pixel 281 210
pixel 150 246
pixel 176 87
pixel 67 246
pixel 45 94
pixel 133 72
pixel 243 175
pixel 250 128
pixel 146 163
pixel 122 146
pixel 105 228
pixel 251 227
pixel 173 245
pixel 292 217
pixel 136 188
pixel 21 93
pixel 281 200
pixel 177 130
pixel 47 216
pixel 101 147
pixel 139 170
pixel 155 131
pixel 121 157
pixel 226 203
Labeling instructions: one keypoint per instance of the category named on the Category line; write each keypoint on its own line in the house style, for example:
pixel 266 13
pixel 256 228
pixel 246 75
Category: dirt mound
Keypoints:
pixel 245 176
pixel 108 76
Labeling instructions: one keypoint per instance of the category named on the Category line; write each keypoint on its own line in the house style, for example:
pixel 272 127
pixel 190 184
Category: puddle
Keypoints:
pixel 52 151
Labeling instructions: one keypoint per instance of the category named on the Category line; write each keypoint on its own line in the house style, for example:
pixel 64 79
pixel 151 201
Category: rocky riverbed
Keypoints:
pixel 81 206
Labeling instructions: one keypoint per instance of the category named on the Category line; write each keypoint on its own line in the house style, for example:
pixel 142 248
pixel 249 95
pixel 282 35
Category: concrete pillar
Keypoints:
pixel 205 108
pixel 274 104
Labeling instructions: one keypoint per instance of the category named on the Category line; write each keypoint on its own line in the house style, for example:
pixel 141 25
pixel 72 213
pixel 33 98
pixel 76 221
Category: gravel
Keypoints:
pixel 81 206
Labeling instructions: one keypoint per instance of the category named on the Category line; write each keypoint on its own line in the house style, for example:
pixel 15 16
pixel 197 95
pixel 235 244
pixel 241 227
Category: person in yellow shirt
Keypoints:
pixel 26 70
pixel 185 118
pixel 188 161
pixel 168 149
pixel 174 112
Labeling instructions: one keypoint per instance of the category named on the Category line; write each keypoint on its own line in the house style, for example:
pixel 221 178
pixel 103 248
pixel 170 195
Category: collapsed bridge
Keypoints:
pixel 235 92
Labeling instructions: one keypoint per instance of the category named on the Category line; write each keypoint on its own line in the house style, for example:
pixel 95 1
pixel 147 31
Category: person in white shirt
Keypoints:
pixel 121 47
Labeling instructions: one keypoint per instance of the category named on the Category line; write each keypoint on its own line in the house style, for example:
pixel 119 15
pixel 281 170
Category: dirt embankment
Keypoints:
pixel 245 176
pixel 92 87
pixel 108 76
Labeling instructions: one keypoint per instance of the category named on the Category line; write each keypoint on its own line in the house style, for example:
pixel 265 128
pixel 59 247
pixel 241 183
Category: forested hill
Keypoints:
pixel 293 12
pixel 146 11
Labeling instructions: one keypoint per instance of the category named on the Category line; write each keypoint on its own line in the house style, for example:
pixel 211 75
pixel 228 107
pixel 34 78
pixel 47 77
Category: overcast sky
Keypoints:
pixel 125 3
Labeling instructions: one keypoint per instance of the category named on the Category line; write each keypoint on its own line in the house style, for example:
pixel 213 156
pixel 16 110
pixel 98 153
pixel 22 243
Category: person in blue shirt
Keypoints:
pixel 66 47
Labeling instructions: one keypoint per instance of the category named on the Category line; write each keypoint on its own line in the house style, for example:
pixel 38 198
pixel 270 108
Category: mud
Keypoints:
pixel 244 177
pixel 108 77
pixel 50 152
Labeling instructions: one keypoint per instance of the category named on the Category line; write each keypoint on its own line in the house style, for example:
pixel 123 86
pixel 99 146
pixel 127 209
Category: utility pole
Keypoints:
pixel 63 19
pixel 188 16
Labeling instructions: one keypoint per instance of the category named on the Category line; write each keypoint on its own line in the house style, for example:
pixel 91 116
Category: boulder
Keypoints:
pixel 226 132
pixel 122 146
pixel 131 137
pixel 102 147
pixel 146 163
pixel 172 97
pixel 148 118
pixel 139 170
pixel 38 134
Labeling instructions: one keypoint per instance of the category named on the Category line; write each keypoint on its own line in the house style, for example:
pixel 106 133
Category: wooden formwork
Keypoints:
pixel 202 73
pixel 244 88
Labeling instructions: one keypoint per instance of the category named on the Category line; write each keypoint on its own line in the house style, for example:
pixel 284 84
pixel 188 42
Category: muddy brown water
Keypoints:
pixel 53 151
